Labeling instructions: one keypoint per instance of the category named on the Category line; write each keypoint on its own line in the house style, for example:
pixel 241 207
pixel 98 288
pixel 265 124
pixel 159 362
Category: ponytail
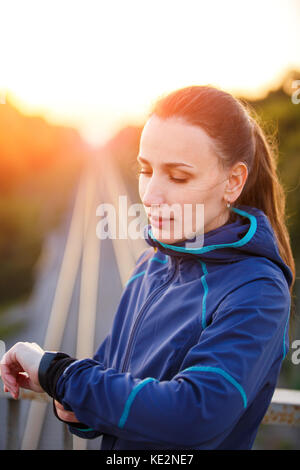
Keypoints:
pixel 264 190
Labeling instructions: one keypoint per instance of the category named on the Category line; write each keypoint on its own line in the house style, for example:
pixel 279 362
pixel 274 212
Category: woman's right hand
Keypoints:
pixel 65 415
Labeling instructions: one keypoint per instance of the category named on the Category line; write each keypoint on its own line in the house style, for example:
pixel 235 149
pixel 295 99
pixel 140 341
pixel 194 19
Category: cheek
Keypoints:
pixel 142 188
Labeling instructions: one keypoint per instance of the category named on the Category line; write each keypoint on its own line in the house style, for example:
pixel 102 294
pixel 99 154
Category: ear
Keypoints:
pixel 236 181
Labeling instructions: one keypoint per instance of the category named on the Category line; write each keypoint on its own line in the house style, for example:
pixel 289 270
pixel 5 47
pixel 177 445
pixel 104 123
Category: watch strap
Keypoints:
pixel 51 366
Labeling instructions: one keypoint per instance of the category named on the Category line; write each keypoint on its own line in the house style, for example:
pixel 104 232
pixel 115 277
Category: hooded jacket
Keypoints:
pixel 196 346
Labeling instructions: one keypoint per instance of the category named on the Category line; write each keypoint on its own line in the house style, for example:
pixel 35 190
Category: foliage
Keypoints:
pixel 39 167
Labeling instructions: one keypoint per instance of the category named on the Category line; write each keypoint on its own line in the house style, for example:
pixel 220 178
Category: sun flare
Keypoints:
pixel 95 65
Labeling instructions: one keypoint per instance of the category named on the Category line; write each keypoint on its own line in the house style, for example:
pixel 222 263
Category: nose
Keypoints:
pixel 153 193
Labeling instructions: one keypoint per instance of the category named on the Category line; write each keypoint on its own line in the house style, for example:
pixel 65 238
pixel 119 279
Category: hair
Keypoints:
pixel 237 135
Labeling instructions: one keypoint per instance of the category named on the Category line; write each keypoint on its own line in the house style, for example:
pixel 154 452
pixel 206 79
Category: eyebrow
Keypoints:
pixel 169 164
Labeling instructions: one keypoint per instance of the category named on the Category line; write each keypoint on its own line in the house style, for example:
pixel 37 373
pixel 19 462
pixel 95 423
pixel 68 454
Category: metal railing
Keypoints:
pixel 284 408
pixel 83 251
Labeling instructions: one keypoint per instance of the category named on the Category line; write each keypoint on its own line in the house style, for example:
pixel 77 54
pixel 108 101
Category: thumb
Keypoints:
pixel 24 381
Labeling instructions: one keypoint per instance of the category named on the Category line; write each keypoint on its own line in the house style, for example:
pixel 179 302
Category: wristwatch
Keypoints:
pixel 51 366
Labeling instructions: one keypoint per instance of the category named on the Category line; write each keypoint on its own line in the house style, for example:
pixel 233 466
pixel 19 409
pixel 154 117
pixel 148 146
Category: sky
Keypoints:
pixel 98 65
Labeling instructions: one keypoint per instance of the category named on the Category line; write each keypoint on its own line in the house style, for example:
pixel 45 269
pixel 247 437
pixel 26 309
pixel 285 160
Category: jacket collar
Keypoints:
pixel 250 235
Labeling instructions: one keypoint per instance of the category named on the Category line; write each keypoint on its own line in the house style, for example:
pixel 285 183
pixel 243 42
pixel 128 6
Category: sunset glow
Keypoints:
pixel 97 65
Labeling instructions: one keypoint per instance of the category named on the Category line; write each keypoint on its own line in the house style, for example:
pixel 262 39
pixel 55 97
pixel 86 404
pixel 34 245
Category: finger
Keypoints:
pixel 67 416
pixel 11 358
pixel 7 375
pixel 6 388
pixel 15 394
pixel 9 366
pixel 63 414
pixel 13 391
pixel 23 381
pixel 58 405
pixel 16 368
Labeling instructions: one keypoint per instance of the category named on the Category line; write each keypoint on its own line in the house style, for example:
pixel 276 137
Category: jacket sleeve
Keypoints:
pixel 87 432
pixel 219 378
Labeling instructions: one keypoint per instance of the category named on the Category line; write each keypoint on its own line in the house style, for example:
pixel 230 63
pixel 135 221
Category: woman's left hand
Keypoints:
pixel 65 415
pixel 19 368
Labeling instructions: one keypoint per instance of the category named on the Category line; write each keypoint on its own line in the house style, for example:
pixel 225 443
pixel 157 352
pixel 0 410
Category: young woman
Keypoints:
pixel 201 331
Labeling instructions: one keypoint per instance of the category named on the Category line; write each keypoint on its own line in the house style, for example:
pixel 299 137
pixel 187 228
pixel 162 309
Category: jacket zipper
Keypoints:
pixel 138 319
pixel 142 311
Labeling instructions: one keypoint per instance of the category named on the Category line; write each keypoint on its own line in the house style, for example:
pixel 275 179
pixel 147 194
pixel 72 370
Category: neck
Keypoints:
pixel 218 221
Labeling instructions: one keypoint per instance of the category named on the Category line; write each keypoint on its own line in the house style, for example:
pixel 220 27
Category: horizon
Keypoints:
pixel 107 63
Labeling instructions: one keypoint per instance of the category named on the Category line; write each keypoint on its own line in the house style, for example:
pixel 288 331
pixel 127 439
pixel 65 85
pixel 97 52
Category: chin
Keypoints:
pixel 163 236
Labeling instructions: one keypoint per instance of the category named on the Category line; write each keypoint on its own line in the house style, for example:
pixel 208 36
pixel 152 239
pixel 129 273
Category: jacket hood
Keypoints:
pixel 250 235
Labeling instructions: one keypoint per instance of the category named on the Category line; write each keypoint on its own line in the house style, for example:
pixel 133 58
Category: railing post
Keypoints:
pixel 13 424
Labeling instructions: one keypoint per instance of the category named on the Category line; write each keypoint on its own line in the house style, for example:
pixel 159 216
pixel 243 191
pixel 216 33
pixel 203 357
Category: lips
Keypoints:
pixel 159 221
pixel 157 218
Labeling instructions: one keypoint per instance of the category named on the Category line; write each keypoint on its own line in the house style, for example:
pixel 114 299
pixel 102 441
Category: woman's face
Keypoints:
pixel 178 166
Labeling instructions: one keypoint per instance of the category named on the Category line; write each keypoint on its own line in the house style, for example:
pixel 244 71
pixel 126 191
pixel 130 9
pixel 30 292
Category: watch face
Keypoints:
pixel 45 362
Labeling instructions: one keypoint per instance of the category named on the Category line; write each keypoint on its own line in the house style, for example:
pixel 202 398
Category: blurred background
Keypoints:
pixel 77 80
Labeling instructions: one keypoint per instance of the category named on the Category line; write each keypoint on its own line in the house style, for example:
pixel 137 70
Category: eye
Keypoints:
pixel 171 178
pixel 178 180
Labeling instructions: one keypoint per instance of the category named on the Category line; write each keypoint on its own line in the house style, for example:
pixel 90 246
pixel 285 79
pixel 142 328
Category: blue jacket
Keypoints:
pixel 196 346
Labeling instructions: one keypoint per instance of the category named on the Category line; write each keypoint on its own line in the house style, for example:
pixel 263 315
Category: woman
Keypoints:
pixel 201 330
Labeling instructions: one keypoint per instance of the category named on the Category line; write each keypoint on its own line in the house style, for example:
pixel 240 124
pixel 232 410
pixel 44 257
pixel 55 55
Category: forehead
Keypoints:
pixel 172 139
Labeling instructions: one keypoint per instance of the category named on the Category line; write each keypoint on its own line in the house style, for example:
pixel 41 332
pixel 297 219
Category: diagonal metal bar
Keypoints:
pixel 89 281
pixel 59 312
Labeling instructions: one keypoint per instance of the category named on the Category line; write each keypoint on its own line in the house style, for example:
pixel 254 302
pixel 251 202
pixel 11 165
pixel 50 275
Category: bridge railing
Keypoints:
pixel 83 251
pixel 284 410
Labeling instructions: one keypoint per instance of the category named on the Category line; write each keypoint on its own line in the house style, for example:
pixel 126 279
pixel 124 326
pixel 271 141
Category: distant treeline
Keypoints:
pixel 39 166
